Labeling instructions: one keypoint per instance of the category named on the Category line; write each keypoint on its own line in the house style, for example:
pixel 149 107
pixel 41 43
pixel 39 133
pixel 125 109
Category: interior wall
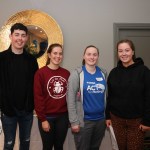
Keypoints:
pixel 84 22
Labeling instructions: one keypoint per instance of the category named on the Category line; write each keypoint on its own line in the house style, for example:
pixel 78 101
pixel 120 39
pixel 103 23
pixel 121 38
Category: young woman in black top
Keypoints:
pixel 128 101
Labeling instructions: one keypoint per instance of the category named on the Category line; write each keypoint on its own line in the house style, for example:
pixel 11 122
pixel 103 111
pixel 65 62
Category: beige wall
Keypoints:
pixel 84 22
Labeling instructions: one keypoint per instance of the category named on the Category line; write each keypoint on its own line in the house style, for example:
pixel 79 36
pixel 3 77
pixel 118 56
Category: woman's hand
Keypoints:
pixel 144 128
pixel 75 128
pixel 108 123
pixel 46 126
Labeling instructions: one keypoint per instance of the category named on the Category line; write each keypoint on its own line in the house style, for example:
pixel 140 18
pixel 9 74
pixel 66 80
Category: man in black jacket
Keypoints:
pixel 17 69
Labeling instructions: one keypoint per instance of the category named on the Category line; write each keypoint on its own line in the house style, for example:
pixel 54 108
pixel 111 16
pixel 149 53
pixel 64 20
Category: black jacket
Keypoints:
pixel 7 74
pixel 129 92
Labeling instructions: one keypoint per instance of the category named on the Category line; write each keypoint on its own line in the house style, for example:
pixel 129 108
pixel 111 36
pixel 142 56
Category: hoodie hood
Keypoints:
pixel 137 61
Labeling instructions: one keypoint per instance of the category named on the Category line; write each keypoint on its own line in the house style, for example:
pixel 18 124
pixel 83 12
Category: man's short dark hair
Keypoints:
pixel 19 26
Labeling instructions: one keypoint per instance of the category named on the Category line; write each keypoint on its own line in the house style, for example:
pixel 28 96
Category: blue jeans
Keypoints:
pixel 9 124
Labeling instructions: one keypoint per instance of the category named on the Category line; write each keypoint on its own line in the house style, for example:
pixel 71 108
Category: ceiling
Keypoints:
pixel 37 31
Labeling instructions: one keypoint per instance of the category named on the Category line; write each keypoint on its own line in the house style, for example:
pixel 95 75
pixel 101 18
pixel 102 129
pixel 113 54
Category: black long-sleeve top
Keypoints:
pixel 16 81
pixel 129 92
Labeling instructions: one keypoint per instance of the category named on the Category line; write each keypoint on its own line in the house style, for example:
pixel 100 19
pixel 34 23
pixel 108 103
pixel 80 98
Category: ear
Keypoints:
pixel 10 36
pixel 49 55
pixel 133 52
pixel 83 56
pixel 27 36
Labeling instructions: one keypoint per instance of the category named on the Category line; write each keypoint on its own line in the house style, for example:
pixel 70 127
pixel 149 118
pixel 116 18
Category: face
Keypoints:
pixel 125 54
pixel 91 56
pixel 56 56
pixel 18 39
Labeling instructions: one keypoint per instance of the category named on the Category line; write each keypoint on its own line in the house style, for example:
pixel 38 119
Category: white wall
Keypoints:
pixel 84 22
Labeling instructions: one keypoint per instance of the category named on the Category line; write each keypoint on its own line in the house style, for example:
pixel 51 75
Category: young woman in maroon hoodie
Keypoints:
pixel 50 86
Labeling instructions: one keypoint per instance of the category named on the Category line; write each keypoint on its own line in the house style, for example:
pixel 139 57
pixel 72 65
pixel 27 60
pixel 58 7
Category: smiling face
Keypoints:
pixel 18 40
pixel 125 54
pixel 56 56
pixel 91 56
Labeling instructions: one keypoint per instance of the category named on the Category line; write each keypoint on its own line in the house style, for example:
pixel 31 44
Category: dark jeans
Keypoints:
pixel 90 136
pixel 57 134
pixel 24 120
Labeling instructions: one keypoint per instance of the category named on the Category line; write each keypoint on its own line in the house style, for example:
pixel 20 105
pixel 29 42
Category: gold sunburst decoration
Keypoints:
pixel 33 18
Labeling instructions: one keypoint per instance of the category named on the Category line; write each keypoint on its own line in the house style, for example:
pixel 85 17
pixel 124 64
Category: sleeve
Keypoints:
pixel 39 100
pixel 0 81
pixel 0 95
pixel 35 67
pixel 105 75
pixel 146 117
pixel 73 88
pixel 107 111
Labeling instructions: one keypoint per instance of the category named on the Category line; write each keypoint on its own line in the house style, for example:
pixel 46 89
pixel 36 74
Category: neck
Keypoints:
pixel 127 64
pixel 17 51
pixel 90 69
pixel 52 66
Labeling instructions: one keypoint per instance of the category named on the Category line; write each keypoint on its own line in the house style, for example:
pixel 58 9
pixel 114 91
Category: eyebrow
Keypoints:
pixel 21 33
pixel 124 49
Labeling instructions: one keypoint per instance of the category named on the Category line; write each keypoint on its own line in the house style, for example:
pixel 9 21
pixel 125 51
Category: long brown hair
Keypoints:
pixel 51 47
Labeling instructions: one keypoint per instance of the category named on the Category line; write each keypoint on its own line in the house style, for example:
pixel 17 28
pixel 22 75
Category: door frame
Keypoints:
pixel 117 27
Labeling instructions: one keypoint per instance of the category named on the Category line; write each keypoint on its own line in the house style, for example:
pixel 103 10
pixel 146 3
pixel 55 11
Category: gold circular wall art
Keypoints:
pixel 33 18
